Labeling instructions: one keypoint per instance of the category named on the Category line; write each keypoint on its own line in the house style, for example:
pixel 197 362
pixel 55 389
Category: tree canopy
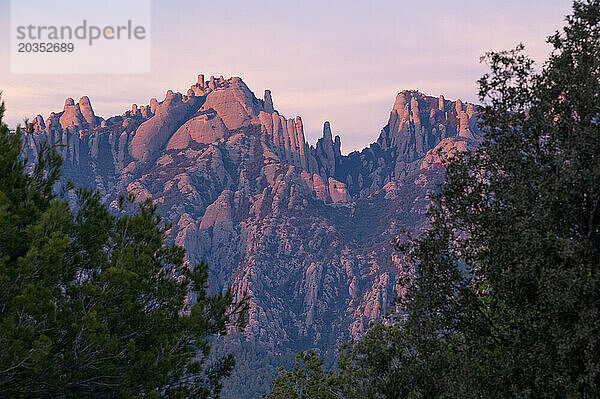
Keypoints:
pixel 504 294
pixel 95 303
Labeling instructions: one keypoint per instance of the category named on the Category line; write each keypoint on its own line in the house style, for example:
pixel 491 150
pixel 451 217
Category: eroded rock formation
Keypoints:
pixel 302 228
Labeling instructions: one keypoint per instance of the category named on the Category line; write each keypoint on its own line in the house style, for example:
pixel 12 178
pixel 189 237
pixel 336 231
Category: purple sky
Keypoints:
pixel 342 61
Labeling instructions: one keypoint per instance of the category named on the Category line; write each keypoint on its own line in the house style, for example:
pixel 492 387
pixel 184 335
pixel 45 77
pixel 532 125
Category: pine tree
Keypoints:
pixel 95 304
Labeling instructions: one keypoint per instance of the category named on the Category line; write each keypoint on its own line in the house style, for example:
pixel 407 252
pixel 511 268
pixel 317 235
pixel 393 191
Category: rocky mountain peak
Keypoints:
pixel 217 109
pixel 268 100
pixel 69 102
pixel 418 123
pixel 74 117
pixel 302 228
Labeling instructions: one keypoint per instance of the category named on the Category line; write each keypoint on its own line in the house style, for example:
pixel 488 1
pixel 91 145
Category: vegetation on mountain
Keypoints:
pixel 96 304
pixel 503 298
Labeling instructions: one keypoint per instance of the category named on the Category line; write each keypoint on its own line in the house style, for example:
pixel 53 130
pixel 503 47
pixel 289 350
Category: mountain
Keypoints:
pixel 304 229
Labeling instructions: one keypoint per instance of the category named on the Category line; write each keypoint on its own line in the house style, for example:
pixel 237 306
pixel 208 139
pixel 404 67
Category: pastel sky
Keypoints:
pixel 342 61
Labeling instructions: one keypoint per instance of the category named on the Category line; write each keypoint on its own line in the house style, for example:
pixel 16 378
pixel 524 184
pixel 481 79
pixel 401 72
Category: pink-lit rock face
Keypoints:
pixel 234 103
pixel 152 135
pixel 80 115
pixel 338 191
pixel 418 123
pixel 446 149
pixel 302 228
pixel 85 107
pixel 203 128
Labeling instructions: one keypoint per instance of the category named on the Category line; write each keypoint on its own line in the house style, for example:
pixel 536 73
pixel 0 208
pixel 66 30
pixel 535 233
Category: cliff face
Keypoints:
pixel 303 229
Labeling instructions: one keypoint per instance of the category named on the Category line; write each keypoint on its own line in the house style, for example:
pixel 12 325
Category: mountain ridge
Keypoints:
pixel 303 228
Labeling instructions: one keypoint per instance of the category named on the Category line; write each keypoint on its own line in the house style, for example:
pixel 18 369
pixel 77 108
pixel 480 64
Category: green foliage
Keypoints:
pixel 504 299
pixel 256 366
pixel 307 379
pixel 94 304
pixel 504 296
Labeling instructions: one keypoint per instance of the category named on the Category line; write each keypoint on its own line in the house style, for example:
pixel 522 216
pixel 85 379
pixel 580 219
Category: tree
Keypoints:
pixel 94 304
pixel 504 296
pixel 307 379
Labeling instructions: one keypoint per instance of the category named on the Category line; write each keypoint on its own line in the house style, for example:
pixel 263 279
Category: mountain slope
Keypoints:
pixel 303 229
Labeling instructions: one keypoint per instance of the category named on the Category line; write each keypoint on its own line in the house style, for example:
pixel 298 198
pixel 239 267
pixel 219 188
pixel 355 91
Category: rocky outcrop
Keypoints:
pixel 233 102
pixel 268 102
pixel 418 123
pixel 77 116
pixel 303 228
pixel 326 151
pixel 87 112
pixel 152 135
pixel 204 128
pixel 338 191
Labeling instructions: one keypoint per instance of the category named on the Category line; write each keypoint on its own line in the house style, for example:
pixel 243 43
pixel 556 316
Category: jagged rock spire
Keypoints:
pixel 269 102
